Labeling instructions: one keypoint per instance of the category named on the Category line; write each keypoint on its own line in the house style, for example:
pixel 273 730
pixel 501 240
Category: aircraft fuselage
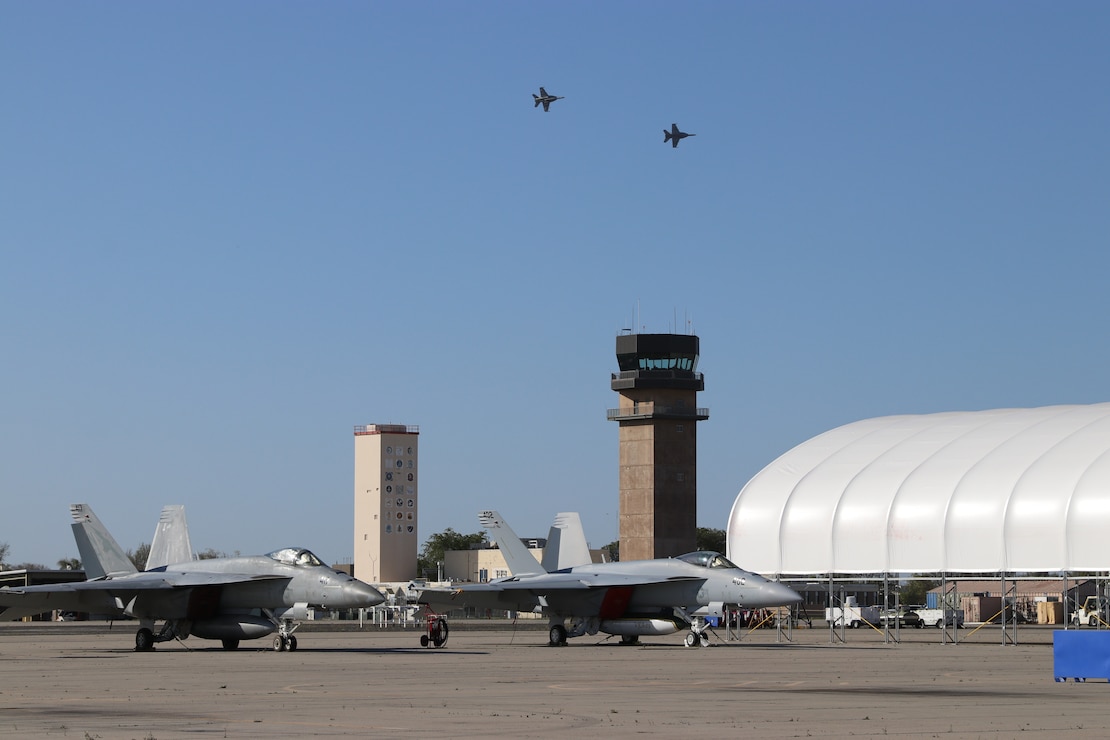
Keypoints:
pixel 692 587
pixel 279 585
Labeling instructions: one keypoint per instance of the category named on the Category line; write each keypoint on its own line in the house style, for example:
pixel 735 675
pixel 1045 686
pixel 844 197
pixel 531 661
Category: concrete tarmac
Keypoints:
pixel 84 681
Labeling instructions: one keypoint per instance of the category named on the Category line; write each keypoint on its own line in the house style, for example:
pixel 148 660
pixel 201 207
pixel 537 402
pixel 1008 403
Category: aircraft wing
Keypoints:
pixel 572 581
pixel 104 595
pixel 524 593
pixel 148 581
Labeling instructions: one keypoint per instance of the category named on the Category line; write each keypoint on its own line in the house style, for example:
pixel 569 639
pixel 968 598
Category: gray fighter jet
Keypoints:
pixel 674 136
pixel 546 99
pixel 629 599
pixel 226 599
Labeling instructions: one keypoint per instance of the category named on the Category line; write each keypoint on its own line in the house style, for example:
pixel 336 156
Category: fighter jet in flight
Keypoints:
pixel 630 599
pixel 546 99
pixel 674 136
pixel 226 599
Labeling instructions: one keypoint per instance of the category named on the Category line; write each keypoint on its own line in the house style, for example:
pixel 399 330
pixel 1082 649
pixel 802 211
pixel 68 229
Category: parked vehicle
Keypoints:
pixel 1089 613
pixel 852 615
pixel 939 617
pixel 904 618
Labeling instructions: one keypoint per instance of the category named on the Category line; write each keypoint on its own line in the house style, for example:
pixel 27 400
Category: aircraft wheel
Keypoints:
pixel 703 639
pixel 692 639
pixel 1093 621
pixel 279 644
pixel 230 643
pixel 439 633
pixel 557 635
pixel 144 640
pixel 630 639
pixel 423 641
pixel 292 642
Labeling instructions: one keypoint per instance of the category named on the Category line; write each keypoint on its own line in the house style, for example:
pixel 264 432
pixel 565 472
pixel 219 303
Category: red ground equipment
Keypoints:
pixel 436 630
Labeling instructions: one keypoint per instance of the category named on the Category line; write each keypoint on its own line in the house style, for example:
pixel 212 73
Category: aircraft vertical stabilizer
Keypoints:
pixel 566 543
pixel 101 555
pixel 171 543
pixel 520 561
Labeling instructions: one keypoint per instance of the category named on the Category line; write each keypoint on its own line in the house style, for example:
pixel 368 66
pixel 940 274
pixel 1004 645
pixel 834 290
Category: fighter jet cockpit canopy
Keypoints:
pixel 295 556
pixel 707 559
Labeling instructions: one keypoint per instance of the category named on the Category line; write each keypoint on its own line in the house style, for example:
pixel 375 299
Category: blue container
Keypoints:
pixel 1079 655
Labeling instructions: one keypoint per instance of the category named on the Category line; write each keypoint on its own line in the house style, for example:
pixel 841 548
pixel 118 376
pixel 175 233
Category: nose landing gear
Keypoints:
pixel 696 637
pixel 285 642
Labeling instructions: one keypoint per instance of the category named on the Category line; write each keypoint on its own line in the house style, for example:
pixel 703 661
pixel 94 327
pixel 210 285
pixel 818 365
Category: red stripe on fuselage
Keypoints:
pixel 615 602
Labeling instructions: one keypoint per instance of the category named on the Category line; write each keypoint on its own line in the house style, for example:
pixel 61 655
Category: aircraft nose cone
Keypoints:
pixel 785 595
pixel 363 594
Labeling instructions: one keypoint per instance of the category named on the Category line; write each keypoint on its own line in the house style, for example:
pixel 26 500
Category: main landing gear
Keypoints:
pixel 144 640
pixel 557 635
pixel 145 637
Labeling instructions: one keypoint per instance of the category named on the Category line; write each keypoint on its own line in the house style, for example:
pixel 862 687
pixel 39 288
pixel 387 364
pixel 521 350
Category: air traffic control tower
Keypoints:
pixel 658 385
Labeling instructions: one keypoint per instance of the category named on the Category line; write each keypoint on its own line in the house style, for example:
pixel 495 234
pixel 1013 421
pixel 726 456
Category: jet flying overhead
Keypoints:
pixel 545 99
pixel 226 599
pixel 629 599
pixel 674 135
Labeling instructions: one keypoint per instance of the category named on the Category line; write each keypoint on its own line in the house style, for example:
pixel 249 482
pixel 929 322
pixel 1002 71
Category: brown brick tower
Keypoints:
pixel 658 384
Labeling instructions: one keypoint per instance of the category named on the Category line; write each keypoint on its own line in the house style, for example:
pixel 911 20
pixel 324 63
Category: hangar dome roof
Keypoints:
pixel 998 491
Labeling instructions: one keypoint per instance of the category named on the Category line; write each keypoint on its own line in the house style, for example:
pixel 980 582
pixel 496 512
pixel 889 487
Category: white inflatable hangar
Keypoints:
pixel 1003 491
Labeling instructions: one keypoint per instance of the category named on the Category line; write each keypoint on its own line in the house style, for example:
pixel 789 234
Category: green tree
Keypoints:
pixel 3 555
pixel 29 566
pixel 212 554
pixel 614 550
pixel 914 591
pixel 139 555
pixel 430 557
pixel 710 539
pixel 69 564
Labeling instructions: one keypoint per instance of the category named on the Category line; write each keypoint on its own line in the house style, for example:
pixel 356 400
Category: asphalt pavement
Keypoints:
pixel 85 681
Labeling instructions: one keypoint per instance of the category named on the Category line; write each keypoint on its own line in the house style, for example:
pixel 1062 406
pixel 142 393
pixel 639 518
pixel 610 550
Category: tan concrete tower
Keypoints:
pixel 658 384
pixel 386 502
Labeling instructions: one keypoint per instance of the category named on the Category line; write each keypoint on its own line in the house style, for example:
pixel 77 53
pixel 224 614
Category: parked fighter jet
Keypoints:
pixel 674 136
pixel 226 599
pixel 546 99
pixel 630 599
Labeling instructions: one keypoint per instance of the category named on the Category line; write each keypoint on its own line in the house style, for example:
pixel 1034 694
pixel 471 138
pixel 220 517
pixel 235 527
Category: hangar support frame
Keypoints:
pixel 1014 604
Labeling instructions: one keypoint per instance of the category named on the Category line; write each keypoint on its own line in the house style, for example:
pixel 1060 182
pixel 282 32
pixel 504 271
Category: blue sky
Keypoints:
pixel 231 232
